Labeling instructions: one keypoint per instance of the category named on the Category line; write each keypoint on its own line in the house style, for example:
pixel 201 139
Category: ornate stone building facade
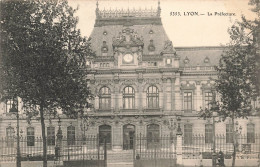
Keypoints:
pixel 141 85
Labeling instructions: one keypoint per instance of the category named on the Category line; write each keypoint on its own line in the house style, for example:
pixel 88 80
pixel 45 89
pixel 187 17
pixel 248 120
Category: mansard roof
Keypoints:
pixel 199 56
pixel 146 24
pixel 146 32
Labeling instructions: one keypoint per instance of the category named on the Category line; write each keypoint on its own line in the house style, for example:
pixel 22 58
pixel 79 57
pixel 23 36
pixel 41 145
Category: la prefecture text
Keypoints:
pixel 202 14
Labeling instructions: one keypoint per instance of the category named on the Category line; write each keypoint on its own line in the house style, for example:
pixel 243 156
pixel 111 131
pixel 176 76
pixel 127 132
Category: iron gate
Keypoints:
pixel 147 153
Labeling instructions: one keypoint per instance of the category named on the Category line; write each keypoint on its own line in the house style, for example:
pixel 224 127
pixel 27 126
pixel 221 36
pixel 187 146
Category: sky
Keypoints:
pixel 202 30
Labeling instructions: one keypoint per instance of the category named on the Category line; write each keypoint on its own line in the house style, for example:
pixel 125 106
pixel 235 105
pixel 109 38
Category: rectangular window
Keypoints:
pixel 10 137
pixel 229 133
pixel 250 133
pixel 51 136
pixel 187 134
pixel 30 136
pixel 9 103
pixel 208 99
pixel 71 134
pixel 187 101
pixel 208 133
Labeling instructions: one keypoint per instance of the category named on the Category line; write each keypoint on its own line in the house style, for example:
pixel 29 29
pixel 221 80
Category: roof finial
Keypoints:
pixel 97 4
pixel 97 10
pixel 158 9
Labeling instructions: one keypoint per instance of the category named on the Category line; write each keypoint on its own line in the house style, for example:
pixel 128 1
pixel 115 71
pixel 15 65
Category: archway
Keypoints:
pixel 128 136
pixel 105 135
pixel 153 133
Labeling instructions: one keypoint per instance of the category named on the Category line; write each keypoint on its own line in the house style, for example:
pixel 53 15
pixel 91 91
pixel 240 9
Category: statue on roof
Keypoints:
pixel 168 48
pixel 128 37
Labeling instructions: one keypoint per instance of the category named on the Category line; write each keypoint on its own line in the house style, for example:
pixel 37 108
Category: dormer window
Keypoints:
pixel 105 33
pixel 104 48
pixel 206 60
pixel 186 60
pixel 151 46
pixel 151 32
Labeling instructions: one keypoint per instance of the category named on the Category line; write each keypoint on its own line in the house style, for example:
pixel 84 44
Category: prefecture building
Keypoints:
pixel 142 84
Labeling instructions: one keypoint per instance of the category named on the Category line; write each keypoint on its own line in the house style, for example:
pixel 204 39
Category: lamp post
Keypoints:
pixel 172 126
pixel 84 127
pixel 59 140
pixel 18 152
pixel 238 132
pixel 214 155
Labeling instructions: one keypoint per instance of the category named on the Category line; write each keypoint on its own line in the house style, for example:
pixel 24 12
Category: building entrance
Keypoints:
pixel 153 136
pixel 128 136
pixel 105 135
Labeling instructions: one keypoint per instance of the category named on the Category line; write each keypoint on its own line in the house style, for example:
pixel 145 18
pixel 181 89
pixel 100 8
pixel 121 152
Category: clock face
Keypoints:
pixel 128 58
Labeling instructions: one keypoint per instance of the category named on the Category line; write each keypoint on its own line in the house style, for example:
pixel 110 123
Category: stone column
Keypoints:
pixel 178 98
pixel 179 147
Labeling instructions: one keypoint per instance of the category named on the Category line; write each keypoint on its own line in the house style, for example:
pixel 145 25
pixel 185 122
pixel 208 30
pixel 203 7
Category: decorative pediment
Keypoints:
pixel 168 48
pixel 188 86
pixel 207 86
pixel 128 38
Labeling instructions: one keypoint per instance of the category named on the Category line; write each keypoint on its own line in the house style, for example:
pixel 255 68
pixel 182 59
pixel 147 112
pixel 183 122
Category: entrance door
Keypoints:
pixel 153 136
pixel 128 136
pixel 105 135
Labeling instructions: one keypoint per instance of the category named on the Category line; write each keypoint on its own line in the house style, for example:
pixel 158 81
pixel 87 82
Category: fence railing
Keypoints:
pixel 66 149
pixel 155 147
pixel 155 151
pixel 200 147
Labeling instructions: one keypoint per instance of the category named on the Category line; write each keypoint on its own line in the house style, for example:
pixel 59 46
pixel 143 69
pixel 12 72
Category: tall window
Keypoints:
pixel 105 135
pixel 9 104
pixel 250 133
pixel 153 97
pixel 51 136
pixel 208 133
pixel 229 133
pixel 208 99
pixel 188 134
pixel 104 98
pixel 187 101
pixel 71 135
pixel 10 136
pixel 128 98
pixel 30 136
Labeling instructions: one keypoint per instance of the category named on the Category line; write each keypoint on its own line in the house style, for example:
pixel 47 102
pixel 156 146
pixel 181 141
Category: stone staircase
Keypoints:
pixel 120 158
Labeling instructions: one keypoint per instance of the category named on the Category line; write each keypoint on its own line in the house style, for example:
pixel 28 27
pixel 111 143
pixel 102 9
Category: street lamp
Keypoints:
pixel 84 127
pixel 59 140
pixel 214 154
pixel 171 126
pixel 18 153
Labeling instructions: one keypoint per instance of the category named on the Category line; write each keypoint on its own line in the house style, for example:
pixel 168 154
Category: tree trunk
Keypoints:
pixel 43 137
pixel 234 143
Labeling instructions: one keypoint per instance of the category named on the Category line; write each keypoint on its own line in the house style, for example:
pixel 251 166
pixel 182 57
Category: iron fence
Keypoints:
pixel 65 149
pixel 154 151
pixel 198 147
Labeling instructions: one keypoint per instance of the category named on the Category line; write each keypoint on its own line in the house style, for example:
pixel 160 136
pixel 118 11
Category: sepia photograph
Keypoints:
pixel 128 83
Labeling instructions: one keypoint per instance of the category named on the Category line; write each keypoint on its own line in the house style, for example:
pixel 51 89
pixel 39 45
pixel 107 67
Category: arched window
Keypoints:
pixel 104 98
pixel 71 135
pixel 152 97
pixel 128 98
pixel 10 136
pixel 30 136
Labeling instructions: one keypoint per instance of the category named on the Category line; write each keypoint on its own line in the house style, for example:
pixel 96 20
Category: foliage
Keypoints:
pixel 43 59
pixel 44 56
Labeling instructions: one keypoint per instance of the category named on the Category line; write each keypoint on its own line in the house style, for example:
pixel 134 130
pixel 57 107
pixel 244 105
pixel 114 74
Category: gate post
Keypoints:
pixel 179 147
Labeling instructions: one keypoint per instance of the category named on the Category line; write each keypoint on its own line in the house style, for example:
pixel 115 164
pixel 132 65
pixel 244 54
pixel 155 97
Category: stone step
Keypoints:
pixel 120 164
pixel 120 156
